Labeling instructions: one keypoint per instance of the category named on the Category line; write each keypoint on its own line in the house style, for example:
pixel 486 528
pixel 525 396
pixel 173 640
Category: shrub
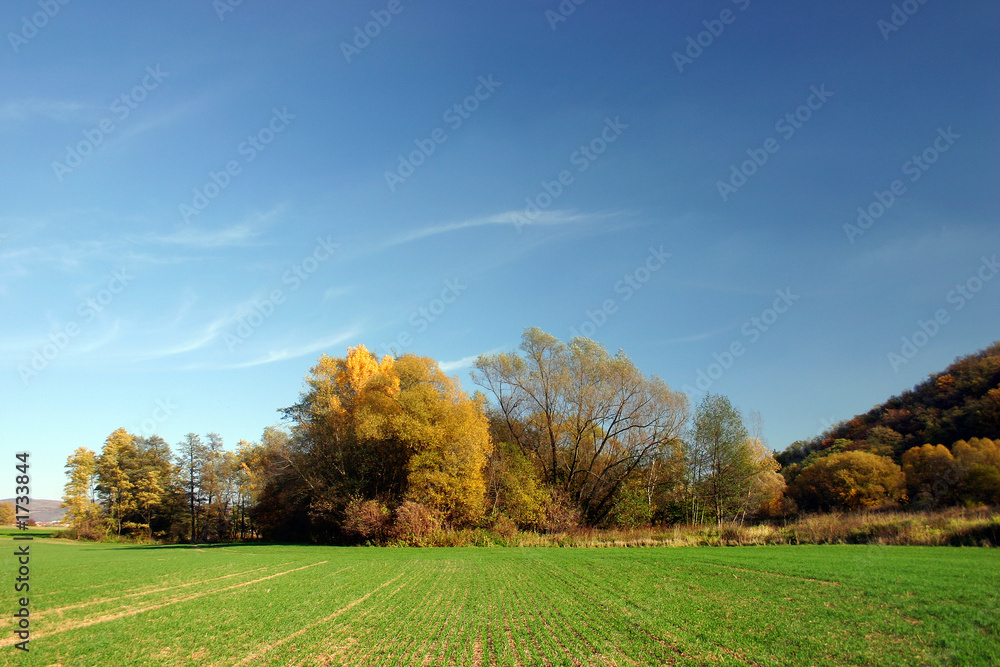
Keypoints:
pixel 366 519
pixel 504 526
pixel 631 508
pixel 414 522
pixel 561 514
pixel 91 532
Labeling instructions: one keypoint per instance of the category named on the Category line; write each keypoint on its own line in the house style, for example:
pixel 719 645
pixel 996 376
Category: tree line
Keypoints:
pixel 558 435
pixel 138 486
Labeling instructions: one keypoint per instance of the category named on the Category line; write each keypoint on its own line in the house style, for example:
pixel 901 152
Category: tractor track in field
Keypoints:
pixel 326 619
pixel 415 646
pixel 585 617
pixel 346 637
pixel 438 639
pixel 477 652
pixel 89 603
pixel 452 638
pixel 85 623
pixel 535 614
pixel 769 573
pixel 379 612
pixel 511 644
pixel 673 646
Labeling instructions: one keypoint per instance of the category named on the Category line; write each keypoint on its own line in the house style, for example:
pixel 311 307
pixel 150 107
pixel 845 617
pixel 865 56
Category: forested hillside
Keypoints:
pixel 933 446
pixel 960 403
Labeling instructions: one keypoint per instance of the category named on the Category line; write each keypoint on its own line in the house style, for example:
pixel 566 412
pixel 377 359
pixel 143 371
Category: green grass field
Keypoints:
pixel 100 604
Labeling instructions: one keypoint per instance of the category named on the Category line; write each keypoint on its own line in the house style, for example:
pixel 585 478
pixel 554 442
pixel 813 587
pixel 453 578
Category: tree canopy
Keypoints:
pixel 565 434
pixel 588 419
pixel 388 429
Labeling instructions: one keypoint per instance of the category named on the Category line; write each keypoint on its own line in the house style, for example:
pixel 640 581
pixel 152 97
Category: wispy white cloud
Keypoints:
pixel 109 337
pixel 235 236
pixel 169 116
pixel 63 111
pixel 464 362
pixel 206 334
pixel 15 260
pixel 696 337
pixel 196 342
pixel 283 354
pixel 188 300
pixel 240 234
pixel 555 217
pixel 337 292
pixel 927 239
pixel 60 255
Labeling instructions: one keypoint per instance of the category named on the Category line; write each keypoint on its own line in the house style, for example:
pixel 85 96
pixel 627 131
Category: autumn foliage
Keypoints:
pixel 391 431
pixel 391 450
pixel 849 480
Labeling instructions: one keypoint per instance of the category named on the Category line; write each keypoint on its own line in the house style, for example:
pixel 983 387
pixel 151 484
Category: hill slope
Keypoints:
pixel 960 403
pixel 43 510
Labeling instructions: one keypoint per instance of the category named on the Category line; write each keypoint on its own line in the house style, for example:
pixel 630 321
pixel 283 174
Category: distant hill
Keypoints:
pixel 959 403
pixel 43 511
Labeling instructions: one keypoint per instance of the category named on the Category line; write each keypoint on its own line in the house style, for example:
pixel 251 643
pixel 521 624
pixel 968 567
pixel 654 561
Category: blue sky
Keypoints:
pixel 195 203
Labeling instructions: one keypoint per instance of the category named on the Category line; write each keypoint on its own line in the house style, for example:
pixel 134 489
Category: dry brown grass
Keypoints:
pixel 954 527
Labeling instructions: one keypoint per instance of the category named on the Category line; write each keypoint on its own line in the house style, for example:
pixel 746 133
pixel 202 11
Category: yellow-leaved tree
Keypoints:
pixel 767 487
pixel 114 486
pixel 7 514
pixel 448 434
pixel 78 496
pixel 386 429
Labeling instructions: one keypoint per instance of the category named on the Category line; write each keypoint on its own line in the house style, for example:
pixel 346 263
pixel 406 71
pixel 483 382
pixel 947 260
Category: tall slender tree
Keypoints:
pixel 721 456
pixel 78 493
pixel 115 480
pixel 191 458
